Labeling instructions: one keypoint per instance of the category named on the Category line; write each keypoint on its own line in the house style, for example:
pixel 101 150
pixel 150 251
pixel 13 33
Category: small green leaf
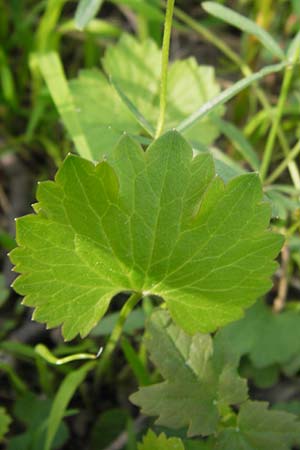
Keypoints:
pixel 153 442
pixel 260 429
pixel 86 11
pixel 157 222
pixel 5 421
pixel 196 385
pixel 266 337
pixel 244 24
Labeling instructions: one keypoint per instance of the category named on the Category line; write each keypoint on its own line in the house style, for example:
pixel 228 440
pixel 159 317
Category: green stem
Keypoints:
pixel 274 129
pixel 164 67
pixel 290 157
pixel 116 333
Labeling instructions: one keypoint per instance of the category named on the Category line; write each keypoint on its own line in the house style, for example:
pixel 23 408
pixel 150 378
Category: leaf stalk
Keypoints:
pixel 116 334
pixel 164 67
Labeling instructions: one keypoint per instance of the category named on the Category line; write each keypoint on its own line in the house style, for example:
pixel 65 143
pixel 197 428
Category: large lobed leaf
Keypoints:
pixel 200 385
pixel 196 385
pixel 157 222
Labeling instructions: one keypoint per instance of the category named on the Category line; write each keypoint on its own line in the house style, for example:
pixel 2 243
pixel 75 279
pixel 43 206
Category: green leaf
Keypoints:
pixel 5 421
pixel 243 23
pixel 96 114
pixel 153 442
pixel 86 11
pixel 33 412
pixel 196 385
pixel 260 429
pixel 53 73
pixel 189 85
pixel 62 398
pixel 240 142
pixel 135 362
pixel 267 338
pixel 157 222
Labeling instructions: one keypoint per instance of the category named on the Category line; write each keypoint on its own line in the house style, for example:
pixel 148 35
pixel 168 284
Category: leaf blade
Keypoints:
pixel 86 11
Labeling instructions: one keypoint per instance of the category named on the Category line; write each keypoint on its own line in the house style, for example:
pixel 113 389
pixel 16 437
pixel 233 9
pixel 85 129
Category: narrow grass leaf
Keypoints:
pixel 244 24
pixel 293 50
pixel 86 11
pixel 135 363
pixel 227 94
pixel 53 73
pixel 133 109
pixel 240 142
pixel 62 399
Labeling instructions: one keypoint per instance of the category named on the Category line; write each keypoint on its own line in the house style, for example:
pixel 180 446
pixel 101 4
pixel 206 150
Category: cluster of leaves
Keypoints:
pixel 200 386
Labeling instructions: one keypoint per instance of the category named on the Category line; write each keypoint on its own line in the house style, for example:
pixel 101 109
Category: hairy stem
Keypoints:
pixel 164 67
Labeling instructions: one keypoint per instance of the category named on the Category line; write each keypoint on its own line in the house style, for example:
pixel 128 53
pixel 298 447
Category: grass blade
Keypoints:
pixel 241 144
pixel 133 109
pixel 86 11
pixel 135 363
pixel 53 73
pixel 228 94
pixel 62 399
pixel 242 23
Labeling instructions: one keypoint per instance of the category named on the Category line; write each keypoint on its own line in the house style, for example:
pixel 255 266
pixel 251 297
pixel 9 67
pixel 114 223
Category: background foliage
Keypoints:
pixel 73 79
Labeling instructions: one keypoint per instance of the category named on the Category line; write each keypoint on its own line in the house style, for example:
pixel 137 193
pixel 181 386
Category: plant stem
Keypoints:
pixel 287 78
pixel 280 300
pixel 164 67
pixel 282 166
pixel 116 333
